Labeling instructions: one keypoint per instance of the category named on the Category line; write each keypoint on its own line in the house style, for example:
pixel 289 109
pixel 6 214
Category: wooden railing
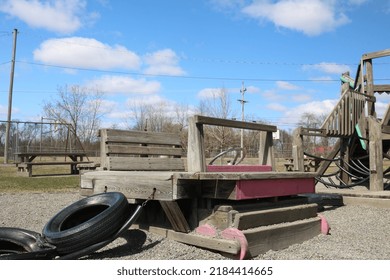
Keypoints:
pixel 346 114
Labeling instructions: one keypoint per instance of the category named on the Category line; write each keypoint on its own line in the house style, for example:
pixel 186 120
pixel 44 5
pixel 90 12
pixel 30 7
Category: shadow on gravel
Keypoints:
pixel 135 239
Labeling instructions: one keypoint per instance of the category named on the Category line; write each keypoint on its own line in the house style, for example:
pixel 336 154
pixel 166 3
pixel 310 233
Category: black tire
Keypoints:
pixel 21 244
pixel 88 221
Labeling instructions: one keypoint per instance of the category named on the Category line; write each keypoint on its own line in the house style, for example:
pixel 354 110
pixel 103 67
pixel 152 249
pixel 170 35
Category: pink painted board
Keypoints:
pixel 249 189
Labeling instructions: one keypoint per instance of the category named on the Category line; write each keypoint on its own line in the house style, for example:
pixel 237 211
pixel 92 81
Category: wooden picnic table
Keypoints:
pixel 26 160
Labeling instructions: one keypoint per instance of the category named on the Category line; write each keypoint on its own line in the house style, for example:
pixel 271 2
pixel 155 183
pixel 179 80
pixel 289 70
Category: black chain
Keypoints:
pixel 151 197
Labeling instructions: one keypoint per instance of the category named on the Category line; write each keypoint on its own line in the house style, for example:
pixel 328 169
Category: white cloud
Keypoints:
pixel 312 17
pixel 163 62
pixel 81 52
pixel 63 16
pixel 286 85
pixel 293 115
pixel 382 101
pixel 272 95
pixel 301 97
pixel 125 84
pixel 276 107
pixel 328 67
pixel 147 100
pixel 252 89
pixel 208 93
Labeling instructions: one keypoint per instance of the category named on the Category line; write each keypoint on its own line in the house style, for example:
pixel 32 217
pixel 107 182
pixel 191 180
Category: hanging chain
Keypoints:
pixel 151 197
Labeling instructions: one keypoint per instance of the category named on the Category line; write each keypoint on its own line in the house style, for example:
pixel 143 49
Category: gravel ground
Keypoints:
pixel 357 232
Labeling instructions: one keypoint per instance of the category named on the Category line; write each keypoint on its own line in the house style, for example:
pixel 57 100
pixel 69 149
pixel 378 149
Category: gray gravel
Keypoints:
pixel 357 232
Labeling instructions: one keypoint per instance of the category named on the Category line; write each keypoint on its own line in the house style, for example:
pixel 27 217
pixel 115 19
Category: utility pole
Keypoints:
pixel 11 86
pixel 242 101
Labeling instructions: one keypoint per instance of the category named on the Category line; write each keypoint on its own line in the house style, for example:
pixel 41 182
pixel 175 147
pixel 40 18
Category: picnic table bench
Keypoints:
pixel 26 160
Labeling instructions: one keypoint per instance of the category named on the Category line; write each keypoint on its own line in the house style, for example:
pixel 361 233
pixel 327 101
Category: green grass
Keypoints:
pixel 42 181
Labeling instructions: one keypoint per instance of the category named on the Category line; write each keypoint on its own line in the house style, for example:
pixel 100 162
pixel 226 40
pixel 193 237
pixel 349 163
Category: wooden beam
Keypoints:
pixel 266 149
pixel 382 88
pixel 235 124
pixel 196 160
pixel 280 236
pixel 175 216
pixel 377 54
pixel 211 243
pixel 297 150
pixel 252 219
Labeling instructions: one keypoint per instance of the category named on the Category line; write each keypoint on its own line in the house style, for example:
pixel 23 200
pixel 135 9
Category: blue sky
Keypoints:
pixel 289 53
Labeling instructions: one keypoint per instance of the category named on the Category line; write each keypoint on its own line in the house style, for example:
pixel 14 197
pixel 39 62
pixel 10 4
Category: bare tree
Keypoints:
pixel 79 107
pixel 219 106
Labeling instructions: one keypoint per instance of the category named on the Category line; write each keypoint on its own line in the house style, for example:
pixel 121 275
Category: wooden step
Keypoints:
pixel 267 217
pixel 280 236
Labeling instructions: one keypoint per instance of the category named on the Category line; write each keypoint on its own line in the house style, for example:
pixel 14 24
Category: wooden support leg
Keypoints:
pixel 175 216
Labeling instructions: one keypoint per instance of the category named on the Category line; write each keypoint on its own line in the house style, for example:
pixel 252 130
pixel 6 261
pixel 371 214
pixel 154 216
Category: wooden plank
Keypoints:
pixel 215 244
pixel 175 216
pixel 370 88
pixel 253 189
pixel 239 168
pixel 55 162
pixel 281 236
pixel 145 163
pixel 268 217
pixel 266 149
pixel 133 184
pixel 241 175
pixel 235 124
pixel 377 54
pixel 196 160
pixel 145 137
pixel 104 162
pixel 382 88
pixel 143 150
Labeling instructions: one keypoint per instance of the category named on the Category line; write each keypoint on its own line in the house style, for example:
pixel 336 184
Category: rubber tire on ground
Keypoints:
pixel 88 221
pixel 22 244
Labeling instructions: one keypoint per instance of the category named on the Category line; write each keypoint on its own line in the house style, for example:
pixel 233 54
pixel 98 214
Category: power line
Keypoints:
pixel 179 76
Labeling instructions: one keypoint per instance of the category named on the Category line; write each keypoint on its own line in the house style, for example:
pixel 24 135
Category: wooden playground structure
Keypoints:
pixel 363 139
pixel 245 210
pixel 241 210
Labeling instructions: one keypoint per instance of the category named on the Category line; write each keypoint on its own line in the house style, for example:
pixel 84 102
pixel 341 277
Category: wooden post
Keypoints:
pixel 103 153
pixel 344 154
pixel 370 87
pixel 266 149
pixel 196 159
pixel 376 154
pixel 297 150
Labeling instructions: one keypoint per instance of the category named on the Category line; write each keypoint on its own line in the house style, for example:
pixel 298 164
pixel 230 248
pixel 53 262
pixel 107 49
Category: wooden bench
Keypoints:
pixel 140 165
pixel 124 150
